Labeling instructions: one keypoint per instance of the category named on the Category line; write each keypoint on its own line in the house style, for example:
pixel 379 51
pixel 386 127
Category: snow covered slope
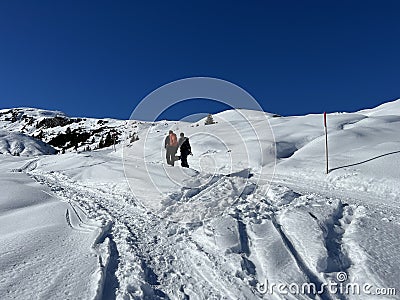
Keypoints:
pixel 64 133
pixel 385 109
pixel 47 245
pixel 254 210
pixel 363 148
pixel 21 144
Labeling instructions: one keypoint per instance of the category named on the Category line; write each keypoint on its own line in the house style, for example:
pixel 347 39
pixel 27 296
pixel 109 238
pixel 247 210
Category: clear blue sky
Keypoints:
pixel 100 58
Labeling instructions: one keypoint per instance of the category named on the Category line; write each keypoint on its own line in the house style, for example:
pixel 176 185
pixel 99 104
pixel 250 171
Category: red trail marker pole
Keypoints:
pixel 326 144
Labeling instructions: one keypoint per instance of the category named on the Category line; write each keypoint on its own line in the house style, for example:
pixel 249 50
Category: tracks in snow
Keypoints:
pixel 153 258
pixel 145 253
pixel 124 273
pixel 311 276
pixel 338 261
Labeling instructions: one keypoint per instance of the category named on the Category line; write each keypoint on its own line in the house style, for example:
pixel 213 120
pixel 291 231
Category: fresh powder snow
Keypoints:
pixel 254 217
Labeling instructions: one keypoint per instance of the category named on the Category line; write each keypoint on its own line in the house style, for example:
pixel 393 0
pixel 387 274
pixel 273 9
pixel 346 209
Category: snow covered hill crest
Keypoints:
pixel 60 132
pixel 20 144
pixel 65 134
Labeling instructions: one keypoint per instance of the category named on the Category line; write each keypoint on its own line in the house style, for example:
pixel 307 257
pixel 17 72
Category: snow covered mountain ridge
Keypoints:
pixel 64 134
pixel 295 143
pixel 59 131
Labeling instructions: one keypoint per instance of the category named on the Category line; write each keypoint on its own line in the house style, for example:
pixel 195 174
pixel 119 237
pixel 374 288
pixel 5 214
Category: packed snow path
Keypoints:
pixel 282 234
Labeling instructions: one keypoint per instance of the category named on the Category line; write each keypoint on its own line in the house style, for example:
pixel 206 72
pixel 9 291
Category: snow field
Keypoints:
pixel 89 226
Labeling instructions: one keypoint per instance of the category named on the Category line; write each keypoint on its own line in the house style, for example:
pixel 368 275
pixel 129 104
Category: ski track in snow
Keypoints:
pixel 151 258
pixel 137 233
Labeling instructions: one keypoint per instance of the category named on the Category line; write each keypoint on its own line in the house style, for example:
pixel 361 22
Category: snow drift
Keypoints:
pixel 21 144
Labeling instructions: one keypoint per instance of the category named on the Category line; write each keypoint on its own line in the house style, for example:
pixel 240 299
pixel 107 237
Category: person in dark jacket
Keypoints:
pixel 185 149
pixel 171 145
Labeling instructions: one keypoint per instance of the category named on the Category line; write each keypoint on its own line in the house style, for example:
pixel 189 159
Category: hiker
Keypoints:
pixel 185 149
pixel 171 144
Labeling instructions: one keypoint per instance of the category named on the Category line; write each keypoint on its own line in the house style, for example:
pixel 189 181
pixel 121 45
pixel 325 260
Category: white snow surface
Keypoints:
pixel 254 208
pixel 20 144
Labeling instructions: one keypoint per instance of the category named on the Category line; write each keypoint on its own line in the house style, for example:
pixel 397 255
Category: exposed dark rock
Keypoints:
pixel 69 139
pixel 54 122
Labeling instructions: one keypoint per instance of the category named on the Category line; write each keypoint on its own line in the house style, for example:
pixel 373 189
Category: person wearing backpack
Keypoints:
pixel 185 149
pixel 171 145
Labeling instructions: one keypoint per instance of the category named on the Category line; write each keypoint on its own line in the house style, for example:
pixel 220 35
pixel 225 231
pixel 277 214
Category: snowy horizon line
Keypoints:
pixel 187 119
